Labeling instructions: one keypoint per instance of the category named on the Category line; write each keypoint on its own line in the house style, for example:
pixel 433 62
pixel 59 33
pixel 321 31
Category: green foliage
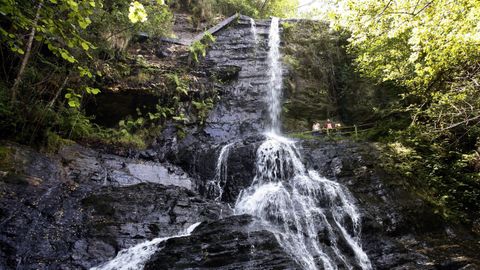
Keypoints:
pixel 161 114
pixel 413 42
pixel 59 26
pixel 429 47
pixel 179 84
pixel 323 82
pixel 136 12
pixel 207 10
pixel 63 70
pixel 199 48
pixel 118 21
pixel 442 174
pixel 426 53
pixel 203 107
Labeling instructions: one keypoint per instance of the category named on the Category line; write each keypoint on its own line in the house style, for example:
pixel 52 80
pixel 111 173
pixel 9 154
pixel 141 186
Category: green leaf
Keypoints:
pixel 83 24
pixel 85 46
pixel 65 55
pixel 92 90
pixel 72 103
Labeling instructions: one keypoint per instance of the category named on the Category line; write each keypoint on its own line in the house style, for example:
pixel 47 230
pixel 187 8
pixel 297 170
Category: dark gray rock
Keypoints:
pixel 400 230
pixel 231 243
pixel 56 213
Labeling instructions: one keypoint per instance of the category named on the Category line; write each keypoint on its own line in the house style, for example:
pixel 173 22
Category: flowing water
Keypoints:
pixel 134 258
pixel 216 186
pixel 314 219
pixel 275 74
pixel 253 30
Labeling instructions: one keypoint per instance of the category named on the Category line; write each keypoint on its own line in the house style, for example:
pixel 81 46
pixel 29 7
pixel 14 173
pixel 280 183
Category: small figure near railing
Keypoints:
pixel 316 129
pixel 328 126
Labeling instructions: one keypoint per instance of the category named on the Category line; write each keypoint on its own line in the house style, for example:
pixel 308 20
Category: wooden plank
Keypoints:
pixel 175 41
pixel 216 28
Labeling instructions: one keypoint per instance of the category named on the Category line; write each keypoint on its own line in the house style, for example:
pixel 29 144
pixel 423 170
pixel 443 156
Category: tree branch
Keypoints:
pixel 460 123
pixel 27 52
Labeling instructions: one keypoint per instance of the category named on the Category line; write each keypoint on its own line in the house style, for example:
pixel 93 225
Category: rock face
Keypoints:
pixel 231 243
pixel 78 209
pixel 240 62
pixel 400 230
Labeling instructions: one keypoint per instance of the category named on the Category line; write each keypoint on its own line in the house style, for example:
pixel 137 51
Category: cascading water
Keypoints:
pixel 314 219
pixel 253 29
pixel 275 74
pixel 134 258
pixel 216 186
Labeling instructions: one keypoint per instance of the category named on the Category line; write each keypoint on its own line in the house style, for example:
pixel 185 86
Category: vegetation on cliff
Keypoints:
pixel 411 68
pixel 62 58
pixel 430 49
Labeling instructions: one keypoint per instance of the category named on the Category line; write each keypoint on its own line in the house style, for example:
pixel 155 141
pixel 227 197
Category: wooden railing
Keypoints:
pixel 353 130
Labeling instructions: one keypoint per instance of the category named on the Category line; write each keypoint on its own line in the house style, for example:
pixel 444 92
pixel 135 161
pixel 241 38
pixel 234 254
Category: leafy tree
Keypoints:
pixel 430 47
pixel 58 24
pixel 52 44
pixel 207 10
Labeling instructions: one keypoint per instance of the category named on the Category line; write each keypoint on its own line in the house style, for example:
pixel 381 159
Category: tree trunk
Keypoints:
pixel 263 7
pixel 27 53
pixel 59 91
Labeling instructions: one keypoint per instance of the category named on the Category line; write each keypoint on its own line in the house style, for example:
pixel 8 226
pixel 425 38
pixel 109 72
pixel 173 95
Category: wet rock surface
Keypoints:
pixel 231 243
pixel 61 212
pixel 400 230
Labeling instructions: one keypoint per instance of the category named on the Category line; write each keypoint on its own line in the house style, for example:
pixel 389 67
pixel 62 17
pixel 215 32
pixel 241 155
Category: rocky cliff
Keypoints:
pixel 78 208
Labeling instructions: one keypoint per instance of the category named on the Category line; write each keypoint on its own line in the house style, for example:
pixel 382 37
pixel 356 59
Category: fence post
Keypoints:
pixel 356 132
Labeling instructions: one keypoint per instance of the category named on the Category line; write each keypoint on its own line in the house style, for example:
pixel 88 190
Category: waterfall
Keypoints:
pixel 253 29
pixel 311 216
pixel 216 186
pixel 314 219
pixel 135 257
pixel 275 74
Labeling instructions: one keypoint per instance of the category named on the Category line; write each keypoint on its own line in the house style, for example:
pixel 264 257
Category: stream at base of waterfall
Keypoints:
pixel 314 219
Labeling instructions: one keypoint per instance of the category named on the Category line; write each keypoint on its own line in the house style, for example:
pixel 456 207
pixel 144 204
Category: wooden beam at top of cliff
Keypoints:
pixel 215 29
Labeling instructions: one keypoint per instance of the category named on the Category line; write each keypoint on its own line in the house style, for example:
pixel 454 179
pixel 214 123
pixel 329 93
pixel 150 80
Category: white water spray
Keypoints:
pixel 314 219
pixel 135 257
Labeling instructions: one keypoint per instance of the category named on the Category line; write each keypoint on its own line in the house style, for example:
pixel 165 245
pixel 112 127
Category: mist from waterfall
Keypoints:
pixel 314 219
